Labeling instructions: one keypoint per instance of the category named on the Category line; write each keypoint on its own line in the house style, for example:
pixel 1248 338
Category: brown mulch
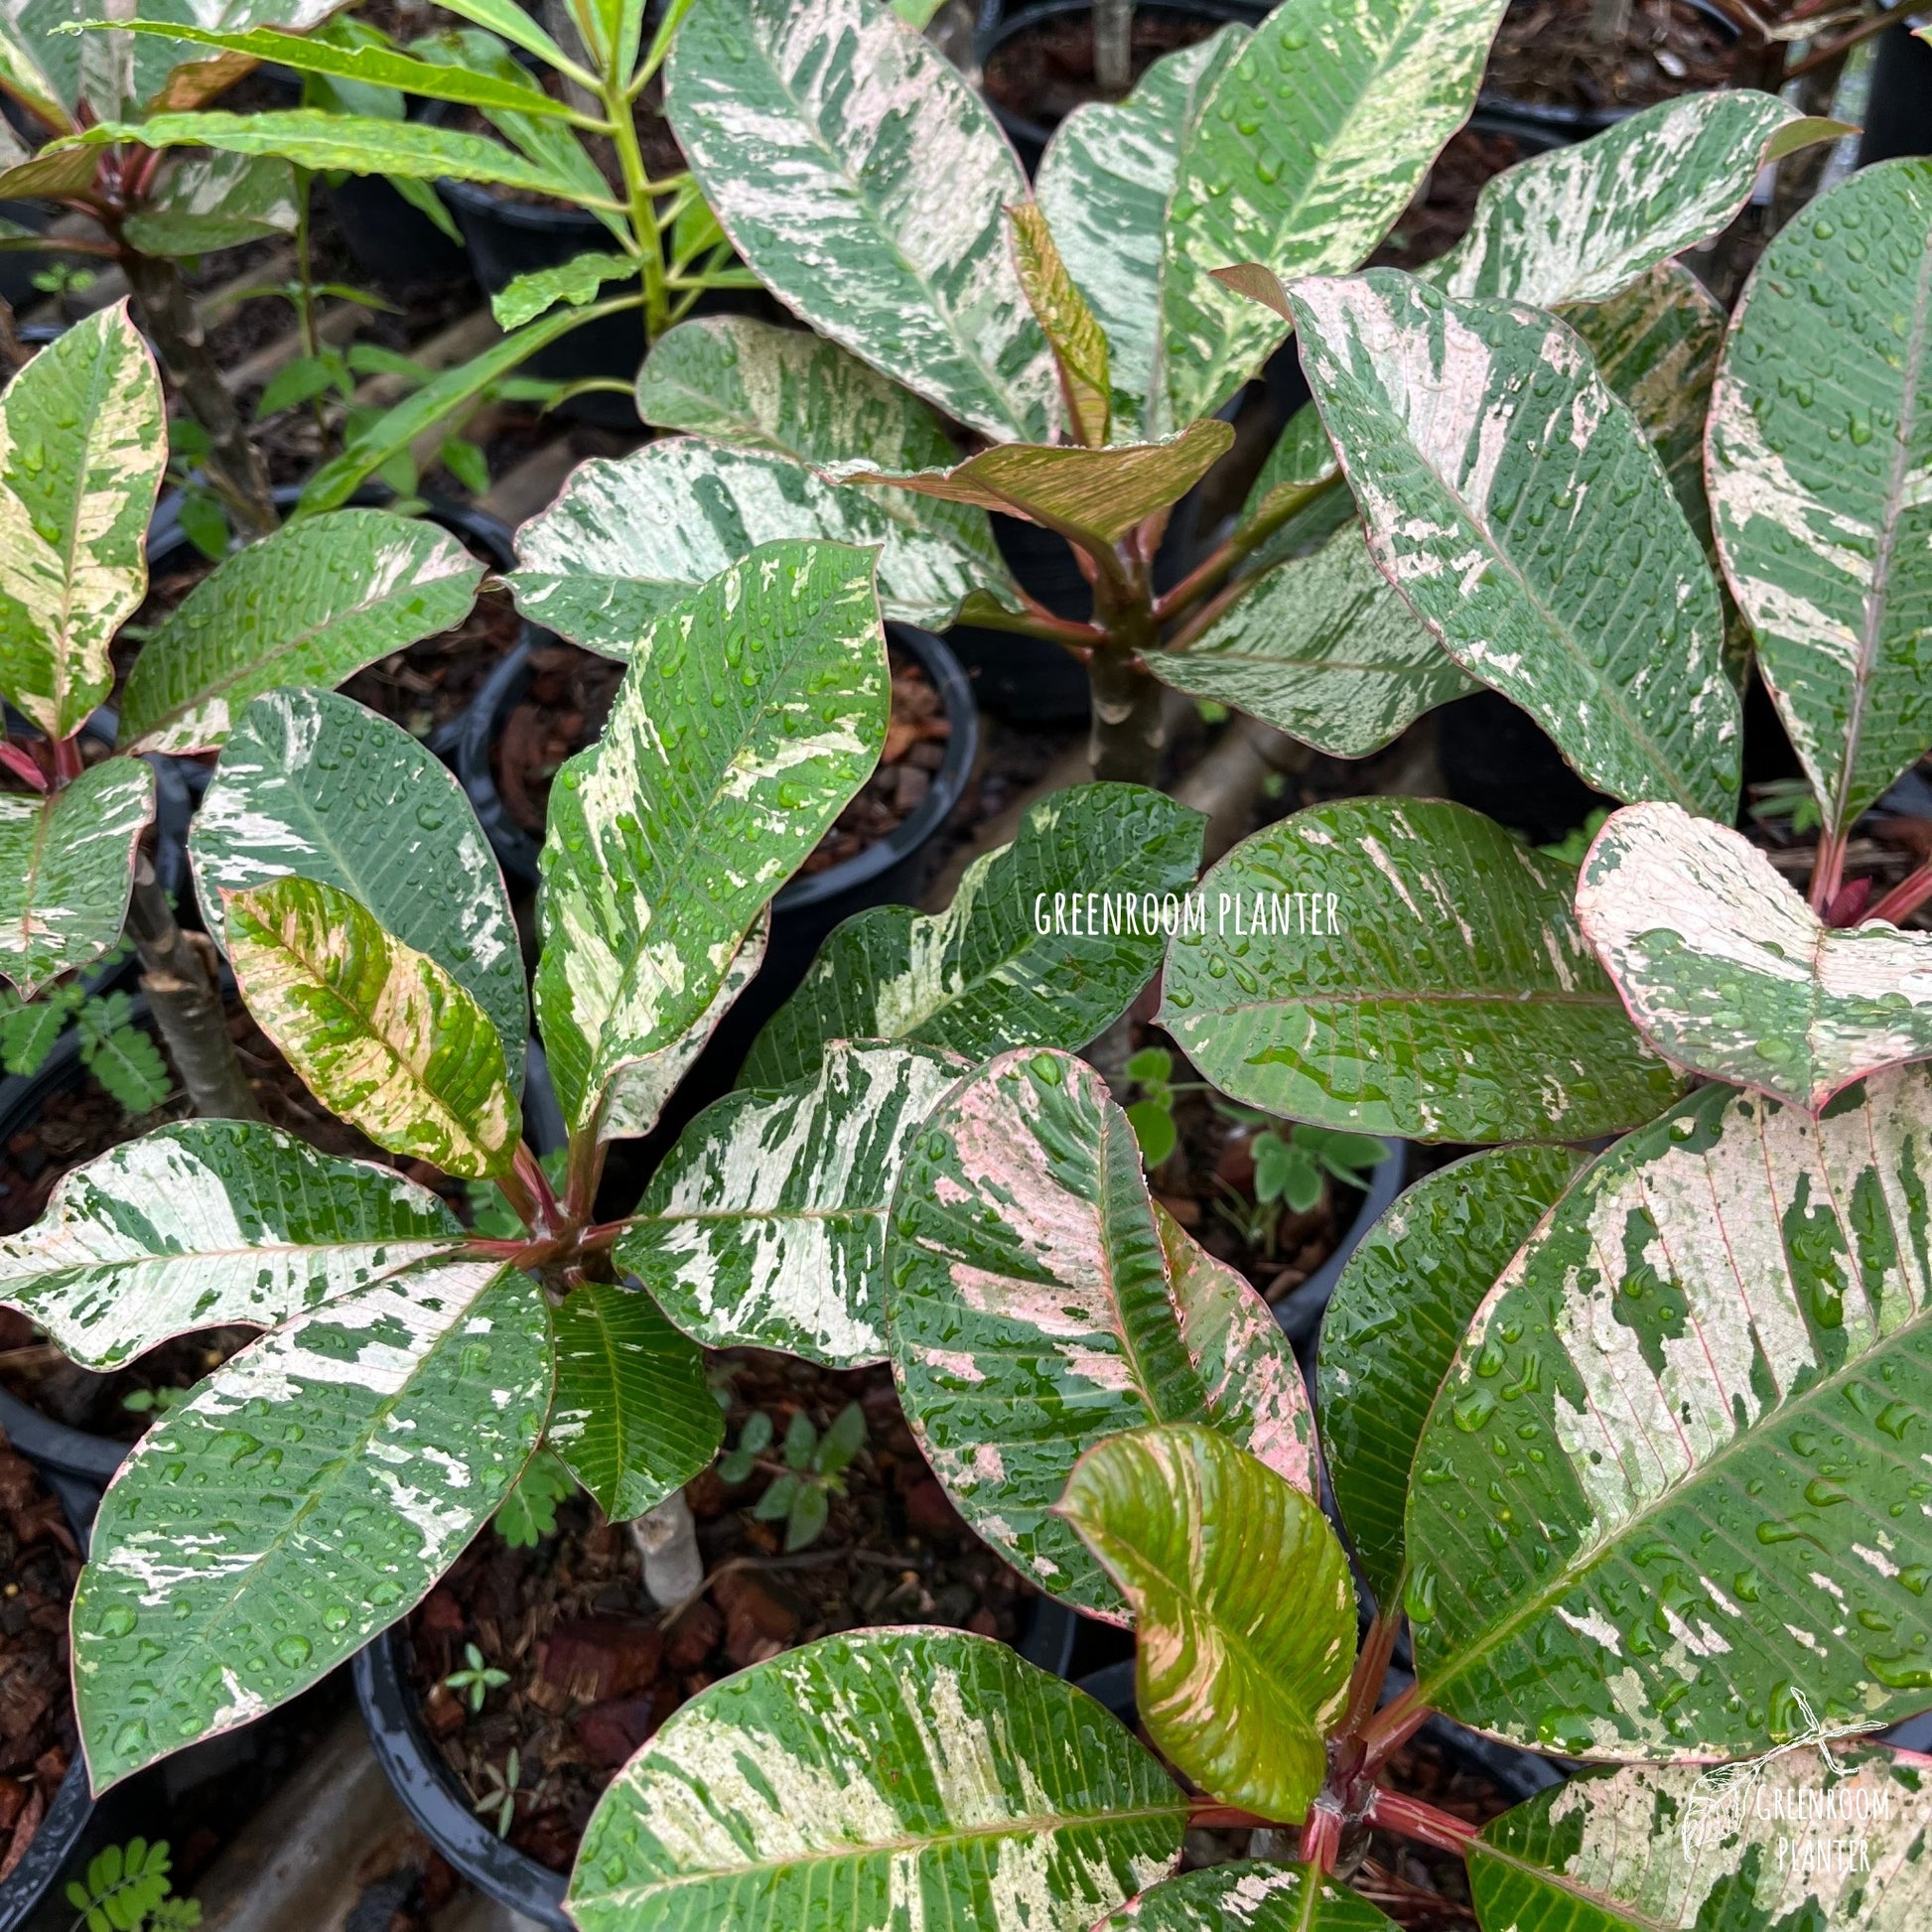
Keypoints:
pixel 1550 53
pixel 1046 72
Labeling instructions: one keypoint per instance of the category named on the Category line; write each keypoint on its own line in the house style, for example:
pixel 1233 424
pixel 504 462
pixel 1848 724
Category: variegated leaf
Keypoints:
pixel 307 1496
pixel 1079 346
pixel 83 446
pixel 1244 1609
pixel 1039 1302
pixel 1834 1838
pixel 1581 223
pixel 1022 957
pixel 1729 972
pixel 1091 497
pixel 633 1416
pixel 1103 184
pixel 66 868
pixel 315 784
pixel 1248 1898
pixel 1400 1309
pixel 1515 502
pixel 750 715
pixel 630 538
pixel 204 1223
pixel 1818 444
pixel 879 1781
pixel 215 201
pixel 310 605
pixel 765 1226
pixel 379 1033
pixel 130 70
pixel 1304 178
pixel 1303 457
pixel 22 70
pixel 866 183
pixel 1675 1475
pixel 1404 966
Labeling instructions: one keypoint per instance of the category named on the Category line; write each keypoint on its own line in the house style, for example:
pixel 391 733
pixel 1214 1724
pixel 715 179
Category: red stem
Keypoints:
pixel 1321 1837
pixel 1392 1726
pixel 1413 1819
pixel 21 763
pixel 606 1234
pixel 1371 1665
pixel 1906 896
pixel 1224 1818
pixel 1827 868
pixel 68 764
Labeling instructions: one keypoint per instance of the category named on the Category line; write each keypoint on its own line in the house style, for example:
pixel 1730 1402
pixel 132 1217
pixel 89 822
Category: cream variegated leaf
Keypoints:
pixel 379 1033
pixel 858 173
pixel 875 1781
pixel 1078 342
pixel 1516 503
pixel 307 1495
pixel 204 1223
pixel 215 201
pixel 1248 1898
pixel 766 1226
pixel 1675 1475
pixel 66 868
pixel 1040 1302
pixel 1728 970
pixel 82 445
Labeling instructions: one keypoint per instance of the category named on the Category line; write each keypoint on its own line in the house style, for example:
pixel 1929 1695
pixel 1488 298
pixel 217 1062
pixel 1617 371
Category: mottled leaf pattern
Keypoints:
pixel 1514 501
pixel 1675 1474
pixel 66 867
pixel 379 1033
pixel 1729 972
pixel 1248 1898
pixel 1404 966
pixel 207 1222
pixel 215 201
pixel 310 605
pixel 1039 1302
pixel 1398 1313
pixel 1244 1610
pixel 983 975
pixel 1820 432
pixel 83 446
pixel 309 1494
pixel 867 184
pixel 633 1417
pixel 766 1226
pixel 1079 345
pixel 879 1782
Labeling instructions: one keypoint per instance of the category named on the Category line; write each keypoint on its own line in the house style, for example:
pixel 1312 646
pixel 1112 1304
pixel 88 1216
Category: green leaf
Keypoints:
pixel 313 783
pixel 307 1496
pixel 511 20
pixel 576 282
pixel 379 1033
pixel 1717 1345
pixel 307 605
pixel 529 1512
pixel 766 1226
pixel 299 381
pixel 1400 1309
pixel 1820 521
pixel 27 1032
pixel 634 1418
pixel 1465 429
pixel 983 974
pixel 881 1779
pixel 206 1223
pixel 53 171
pixel 631 537
pixel 1305 179
pixel 1404 966
pixel 866 184
pixel 213 201
pixel 82 447
pixel 1581 223
pixel 1041 1303
pixel 66 868
pixel 750 715
pixel 1243 1608
pixel 1728 970
pixel 1090 496
pixel 1104 184
pixel 1079 346
pixel 1248 1898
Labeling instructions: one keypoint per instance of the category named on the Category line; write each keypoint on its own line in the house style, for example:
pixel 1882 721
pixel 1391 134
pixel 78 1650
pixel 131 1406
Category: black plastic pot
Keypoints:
pixel 394 246
pixel 1028 679
pixel 1898 112
pixel 1498 761
pixel 432 1795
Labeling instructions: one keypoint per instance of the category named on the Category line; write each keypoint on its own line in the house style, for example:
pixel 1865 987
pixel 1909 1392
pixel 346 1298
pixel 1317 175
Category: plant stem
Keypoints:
pixel 187 1003
pixel 667 1541
pixel 1905 897
pixel 68 761
pixel 1827 870
pixel 1413 1819
pixel 1113 46
pixel 20 763
pixel 1213 569
pixel 1321 1837
pixel 644 211
pixel 1371 1665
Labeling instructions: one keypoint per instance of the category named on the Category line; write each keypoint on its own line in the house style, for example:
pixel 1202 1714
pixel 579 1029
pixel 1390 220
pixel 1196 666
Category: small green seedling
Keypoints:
pixel 1151 1070
pixel 476 1679
pixel 501 1795
pixel 1291 1165
pixel 127 1888
pixel 124 1059
pixel 800 1496
pixel 529 1512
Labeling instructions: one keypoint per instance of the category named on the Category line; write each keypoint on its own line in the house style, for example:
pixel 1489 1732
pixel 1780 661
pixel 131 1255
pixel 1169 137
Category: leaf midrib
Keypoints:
pixel 1615 1909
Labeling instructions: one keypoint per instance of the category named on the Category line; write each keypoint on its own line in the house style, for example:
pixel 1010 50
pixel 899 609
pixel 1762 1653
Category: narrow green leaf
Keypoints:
pixel 307 1496
pixel 1015 959
pixel 1243 1608
pixel 1078 343
pixel 765 1226
pixel 1302 457
pixel 1248 1898
pixel 879 1780
pixel 83 446
pixel 633 1417
pixel 66 868
pixel 379 1033
pixel 310 605
pixel 575 282
pixel 204 1223
pixel 213 201
pixel 1467 431
pixel 1718 1344
pixel 509 21
pixel 53 171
